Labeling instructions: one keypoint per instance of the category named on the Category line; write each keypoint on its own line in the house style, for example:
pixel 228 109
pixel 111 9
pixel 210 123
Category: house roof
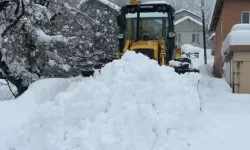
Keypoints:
pixel 212 35
pixel 216 11
pixel 187 11
pixel 188 18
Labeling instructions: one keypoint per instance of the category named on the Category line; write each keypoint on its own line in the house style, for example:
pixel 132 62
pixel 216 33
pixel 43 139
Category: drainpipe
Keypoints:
pixel 204 32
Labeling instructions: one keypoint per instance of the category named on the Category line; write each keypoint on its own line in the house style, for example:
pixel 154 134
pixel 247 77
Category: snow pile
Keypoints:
pixel 188 48
pixel 240 27
pixel 198 62
pixel 239 35
pixel 14 113
pixel 132 104
pixel 225 118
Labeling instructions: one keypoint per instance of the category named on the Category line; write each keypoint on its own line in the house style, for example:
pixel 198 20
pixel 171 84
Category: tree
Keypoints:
pixel 43 38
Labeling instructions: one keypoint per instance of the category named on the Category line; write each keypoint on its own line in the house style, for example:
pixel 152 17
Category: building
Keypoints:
pixel 225 15
pixel 231 23
pixel 188 28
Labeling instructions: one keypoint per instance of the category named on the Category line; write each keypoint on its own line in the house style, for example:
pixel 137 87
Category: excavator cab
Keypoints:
pixel 148 28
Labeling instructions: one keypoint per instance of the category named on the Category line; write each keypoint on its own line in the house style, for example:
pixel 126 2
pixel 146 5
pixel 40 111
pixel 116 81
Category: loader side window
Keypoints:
pixel 131 29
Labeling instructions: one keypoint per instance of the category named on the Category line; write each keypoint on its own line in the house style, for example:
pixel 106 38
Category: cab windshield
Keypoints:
pixel 152 26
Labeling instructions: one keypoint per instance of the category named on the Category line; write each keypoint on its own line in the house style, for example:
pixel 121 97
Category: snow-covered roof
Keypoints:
pixel 190 18
pixel 212 35
pixel 239 35
pixel 187 11
pixel 240 27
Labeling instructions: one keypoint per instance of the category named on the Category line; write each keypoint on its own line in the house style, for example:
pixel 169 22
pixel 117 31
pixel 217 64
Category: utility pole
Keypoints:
pixel 204 32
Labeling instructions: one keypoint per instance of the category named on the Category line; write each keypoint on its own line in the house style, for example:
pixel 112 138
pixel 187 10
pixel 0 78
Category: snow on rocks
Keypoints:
pixel 132 104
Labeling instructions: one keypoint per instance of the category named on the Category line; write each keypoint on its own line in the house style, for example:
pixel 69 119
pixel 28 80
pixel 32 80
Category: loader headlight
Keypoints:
pixel 120 36
pixel 171 34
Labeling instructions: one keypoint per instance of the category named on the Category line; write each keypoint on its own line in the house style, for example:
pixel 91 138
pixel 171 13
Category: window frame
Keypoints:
pixel 248 17
pixel 196 38
pixel 179 37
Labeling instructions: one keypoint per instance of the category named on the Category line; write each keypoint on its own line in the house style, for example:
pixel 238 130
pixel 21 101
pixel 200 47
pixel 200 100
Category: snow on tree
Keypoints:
pixel 41 39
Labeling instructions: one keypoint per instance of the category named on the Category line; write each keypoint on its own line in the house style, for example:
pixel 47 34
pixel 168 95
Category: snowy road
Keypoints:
pixel 225 116
pixel 133 104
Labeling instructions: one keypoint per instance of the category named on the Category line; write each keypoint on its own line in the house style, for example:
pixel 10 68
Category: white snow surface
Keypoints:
pixel 239 35
pixel 240 27
pixel 14 113
pixel 132 104
pixel 188 48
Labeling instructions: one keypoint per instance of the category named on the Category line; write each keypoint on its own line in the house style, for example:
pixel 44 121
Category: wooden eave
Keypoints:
pixel 216 15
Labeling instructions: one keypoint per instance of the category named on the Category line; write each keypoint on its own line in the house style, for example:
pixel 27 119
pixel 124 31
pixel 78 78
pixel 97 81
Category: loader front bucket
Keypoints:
pixel 185 70
pixel 184 67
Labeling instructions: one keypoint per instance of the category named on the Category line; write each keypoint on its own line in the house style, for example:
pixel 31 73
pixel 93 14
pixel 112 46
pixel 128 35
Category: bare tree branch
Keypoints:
pixel 16 21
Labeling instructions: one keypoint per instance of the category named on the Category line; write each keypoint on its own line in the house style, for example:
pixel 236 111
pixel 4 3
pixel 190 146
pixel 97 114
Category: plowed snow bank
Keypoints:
pixel 14 113
pixel 132 104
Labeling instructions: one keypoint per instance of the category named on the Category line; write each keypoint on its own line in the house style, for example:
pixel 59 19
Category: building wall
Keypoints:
pixel 186 29
pixel 237 71
pixel 230 15
pixel 217 68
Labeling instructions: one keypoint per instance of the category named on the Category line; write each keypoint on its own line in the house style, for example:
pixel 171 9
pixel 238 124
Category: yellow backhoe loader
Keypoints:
pixel 148 28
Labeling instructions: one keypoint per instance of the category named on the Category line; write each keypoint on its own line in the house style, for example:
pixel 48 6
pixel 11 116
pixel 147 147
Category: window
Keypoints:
pixel 179 37
pixel 245 17
pixel 195 38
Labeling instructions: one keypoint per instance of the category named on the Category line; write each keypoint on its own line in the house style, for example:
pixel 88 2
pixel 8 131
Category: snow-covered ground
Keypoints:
pixel 132 104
